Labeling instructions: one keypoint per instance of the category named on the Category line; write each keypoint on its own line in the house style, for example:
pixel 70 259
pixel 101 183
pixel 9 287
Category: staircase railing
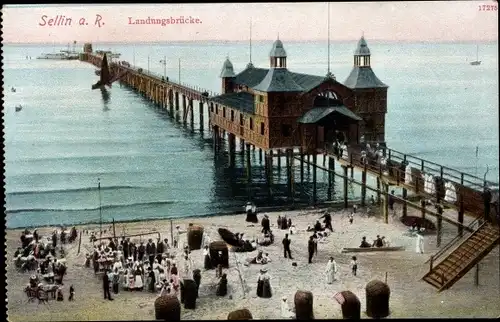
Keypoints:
pixel 452 242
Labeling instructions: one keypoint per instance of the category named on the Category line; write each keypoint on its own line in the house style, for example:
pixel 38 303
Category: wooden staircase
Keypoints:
pixel 464 257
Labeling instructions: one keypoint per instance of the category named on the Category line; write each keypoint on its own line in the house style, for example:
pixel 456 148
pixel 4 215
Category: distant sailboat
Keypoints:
pixel 477 61
pixel 18 108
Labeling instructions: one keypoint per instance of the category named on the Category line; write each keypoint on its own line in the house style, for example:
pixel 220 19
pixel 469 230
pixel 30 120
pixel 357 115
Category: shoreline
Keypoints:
pixel 336 205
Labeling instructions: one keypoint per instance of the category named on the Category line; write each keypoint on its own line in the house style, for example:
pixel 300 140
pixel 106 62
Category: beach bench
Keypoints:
pixel 372 249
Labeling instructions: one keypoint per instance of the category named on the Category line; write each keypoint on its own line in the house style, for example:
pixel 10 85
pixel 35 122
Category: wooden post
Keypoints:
pixel 476 275
pixel 378 190
pixel 439 225
pixel 215 134
pixel 363 187
pixel 422 206
pixel 289 165
pixel 177 101
pixel 260 155
pixel 248 163
pixel 461 215
pixel 346 189
pixel 308 163
pixel 191 112
pixel 405 205
pixel 314 159
pixel 242 146
pixel 331 176
pixel 352 172
pixel 172 232
pixel 80 242
pixel 385 186
pixel 301 166
pixel 386 272
pixel 279 159
pixel 231 138
pixel 200 107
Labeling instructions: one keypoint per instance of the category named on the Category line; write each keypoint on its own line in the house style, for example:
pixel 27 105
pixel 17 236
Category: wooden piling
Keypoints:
pixel 405 205
pixel 363 186
pixel 422 207
pixel 289 170
pixel 331 174
pixel 314 160
pixel 346 187
pixel 260 155
pixel 279 159
pixel 301 166
pixel 461 216
pixel 248 163
pixel 176 101
pixel 231 138
pixel 439 225
pixel 378 190
pixel 200 109
pixel 476 276
pixel 386 202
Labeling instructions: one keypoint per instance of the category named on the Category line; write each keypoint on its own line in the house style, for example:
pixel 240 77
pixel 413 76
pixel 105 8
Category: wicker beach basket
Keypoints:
pixel 243 314
pixel 377 299
pixel 303 305
pixel 167 308
pixel 216 247
pixel 351 306
pixel 194 236
pixel 190 294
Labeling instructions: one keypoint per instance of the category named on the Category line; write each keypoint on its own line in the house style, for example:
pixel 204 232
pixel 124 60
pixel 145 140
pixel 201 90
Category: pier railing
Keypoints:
pixel 410 172
pixel 159 77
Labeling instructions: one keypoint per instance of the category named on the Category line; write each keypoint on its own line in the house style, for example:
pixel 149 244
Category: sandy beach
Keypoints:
pixel 410 296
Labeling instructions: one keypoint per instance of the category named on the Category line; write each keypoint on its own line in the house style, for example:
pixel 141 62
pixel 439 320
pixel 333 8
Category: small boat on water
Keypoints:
pixel 18 108
pixel 372 249
pixel 13 89
pixel 59 56
pixel 477 61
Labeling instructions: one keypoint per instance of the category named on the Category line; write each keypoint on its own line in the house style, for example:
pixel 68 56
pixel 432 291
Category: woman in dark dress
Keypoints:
pixel 260 283
pixel 151 280
pixel 207 262
pixel 222 287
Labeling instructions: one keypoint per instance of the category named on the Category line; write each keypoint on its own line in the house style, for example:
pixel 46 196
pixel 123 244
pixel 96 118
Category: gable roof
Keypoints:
pixel 363 77
pixel 316 114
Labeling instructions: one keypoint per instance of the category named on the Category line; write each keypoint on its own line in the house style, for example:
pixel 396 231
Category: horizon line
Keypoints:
pixel 256 40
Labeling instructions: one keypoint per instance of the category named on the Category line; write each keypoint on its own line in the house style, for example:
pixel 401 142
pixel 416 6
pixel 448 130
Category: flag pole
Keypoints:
pixel 100 207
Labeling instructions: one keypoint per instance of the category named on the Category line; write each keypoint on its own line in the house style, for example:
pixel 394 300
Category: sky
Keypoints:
pixel 436 21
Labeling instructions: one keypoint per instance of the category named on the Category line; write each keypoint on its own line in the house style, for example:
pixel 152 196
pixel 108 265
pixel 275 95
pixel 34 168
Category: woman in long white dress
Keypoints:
pixel 285 310
pixel 331 270
pixel 408 177
pixel 420 243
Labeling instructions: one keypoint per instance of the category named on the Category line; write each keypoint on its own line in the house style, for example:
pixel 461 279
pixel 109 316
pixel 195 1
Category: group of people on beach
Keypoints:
pixel 41 255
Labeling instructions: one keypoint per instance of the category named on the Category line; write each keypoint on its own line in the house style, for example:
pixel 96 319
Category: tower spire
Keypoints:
pixel 328 73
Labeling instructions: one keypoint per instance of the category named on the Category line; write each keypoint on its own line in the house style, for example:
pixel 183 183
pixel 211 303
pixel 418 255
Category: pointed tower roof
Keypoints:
pixel 362 48
pixel 278 80
pixel 227 69
pixel 277 50
pixel 362 75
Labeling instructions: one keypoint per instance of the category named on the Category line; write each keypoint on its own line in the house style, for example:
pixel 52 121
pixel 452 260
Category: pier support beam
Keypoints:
pixel 314 194
pixel 269 172
pixel 363 186
pixel 309 163
pixel 301 166
pixel 405 205
pixel 461 212
pixel 260 155
pixel 242 146
pixel 215 136
pixel 378 190
pixel 248 163
pixel 385 209
pixel 231 139
pixel 331 176
pixel 279 159
pixel 184 108
pixel 422 206
pixel 200 106
pixel 439 225
pixel 191 113
pixel 176 101
pixel 346 189
pixel 289 172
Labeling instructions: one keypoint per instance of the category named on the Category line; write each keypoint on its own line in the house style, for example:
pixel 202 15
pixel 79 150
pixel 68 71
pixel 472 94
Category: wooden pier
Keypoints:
pixel 300 116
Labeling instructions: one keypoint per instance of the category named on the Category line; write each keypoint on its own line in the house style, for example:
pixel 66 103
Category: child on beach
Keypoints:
pixel 354 265
pixel 351 218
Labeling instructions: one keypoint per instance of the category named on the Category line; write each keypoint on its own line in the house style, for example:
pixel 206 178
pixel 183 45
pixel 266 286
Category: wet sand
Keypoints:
pixel 410 296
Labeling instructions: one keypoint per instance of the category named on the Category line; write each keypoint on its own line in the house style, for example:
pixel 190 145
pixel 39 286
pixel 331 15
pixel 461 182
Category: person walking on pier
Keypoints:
pixel 286 247
pixel 105 285
pixel 420 243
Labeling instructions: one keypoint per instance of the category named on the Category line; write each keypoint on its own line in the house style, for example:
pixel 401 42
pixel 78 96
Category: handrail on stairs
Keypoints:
pixel 451 243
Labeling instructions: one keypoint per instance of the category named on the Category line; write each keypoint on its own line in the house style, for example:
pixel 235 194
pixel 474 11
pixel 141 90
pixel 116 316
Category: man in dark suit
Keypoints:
pixel 311 248
pixel 105 285
pixel 286 247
